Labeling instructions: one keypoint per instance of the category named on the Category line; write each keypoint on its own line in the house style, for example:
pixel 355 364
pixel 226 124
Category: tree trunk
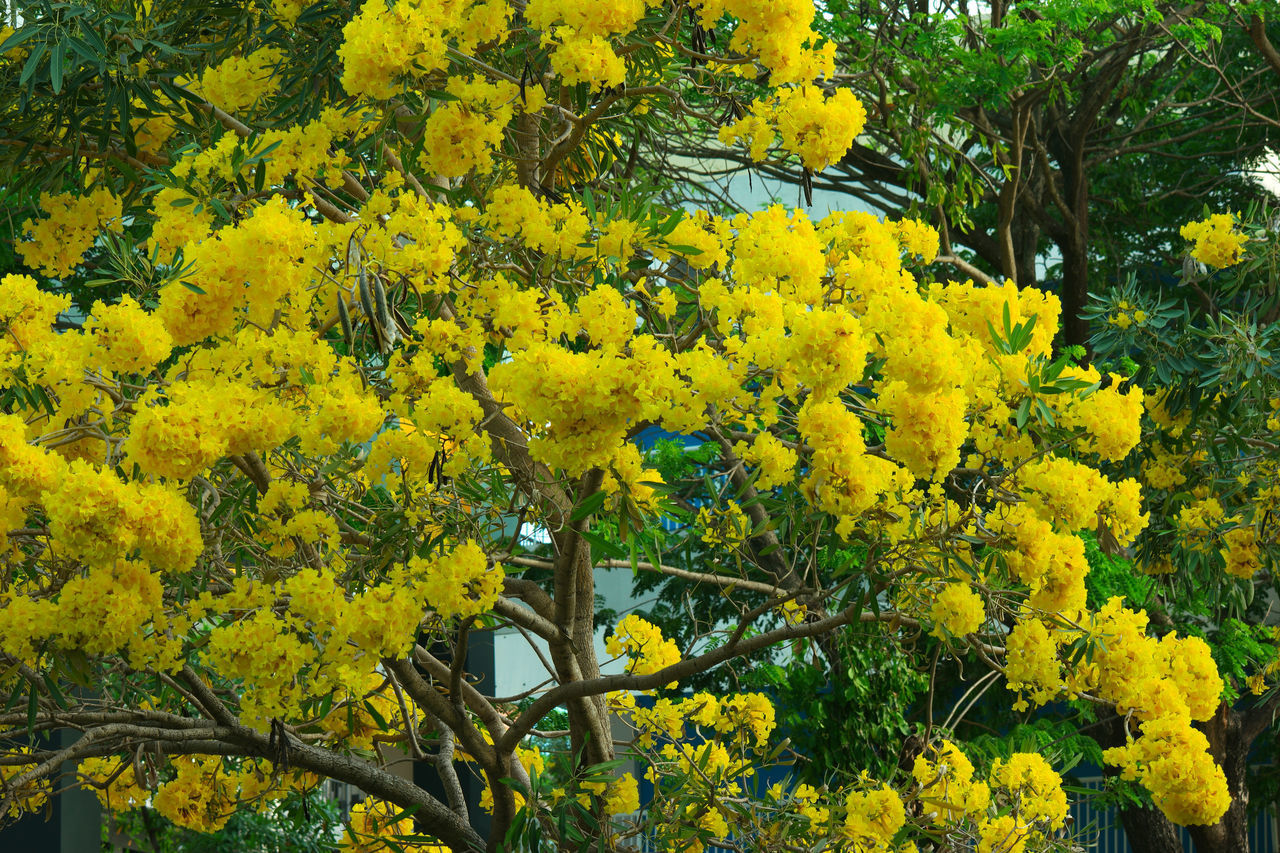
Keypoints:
pixel 1229 744
pixel 1075 292
pixel 1146 829
pixel 1069 142
pixel 1149 831
pixel 1230 734
pixel 1026 241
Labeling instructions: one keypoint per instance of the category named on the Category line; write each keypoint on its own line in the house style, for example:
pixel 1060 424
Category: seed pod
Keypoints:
pixel 383 318
pixel 344 316
pixel 366 297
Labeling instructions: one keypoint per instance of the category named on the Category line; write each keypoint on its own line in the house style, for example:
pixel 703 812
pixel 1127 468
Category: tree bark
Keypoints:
pixel 1071 144
pixel 1075 292
pixel 1229 744
pixel 1230 733
pixel 1146 829
pixel 1149 831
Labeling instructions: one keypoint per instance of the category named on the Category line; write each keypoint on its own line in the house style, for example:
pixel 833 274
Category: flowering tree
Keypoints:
pixel 1207 464
pixel 332 313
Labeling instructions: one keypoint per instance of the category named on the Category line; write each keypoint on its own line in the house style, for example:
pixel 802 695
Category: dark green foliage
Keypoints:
pixel 848 717
pixel 1110 576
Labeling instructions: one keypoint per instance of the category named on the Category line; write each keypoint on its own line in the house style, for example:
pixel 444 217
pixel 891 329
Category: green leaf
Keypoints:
pixel 603 547
pixel 1024 409
pixel 78 668
pixel 588 506
pixel 33 62
pixel 95 40
pixel 377 717
pixel 56 62
pixel 16 38
pixel 1045 413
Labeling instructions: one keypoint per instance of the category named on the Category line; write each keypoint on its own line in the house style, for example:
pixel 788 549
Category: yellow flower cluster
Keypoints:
pixel 725 526
pixel 1051 563
pixel 105 610
pixel 918 238
pixel 462 583
pixel 818 128
pixel 872 818
pixel 287 11
pixel 1165 684
pixel 55 245
pixel 267 657
pixel 555 229
pixel 780 251
pixel 1217 243
pixel 620 796
pixel 1198 522
pixel 114 782
pixel 743 721
pixel 240 81
pixel 778 33
pixel 27 315
pixel 957 610
pixel 927 428
pixel 352 719
pixel 30 798
pixel 305 150
pixel 1111 419
pixel 701 237
pixel 844 479
pixel 1127 315
pixel 200 797
pixel 285 519
pixel 1164 469
pixel 245 272
pixel 1032 667
pixel 649 651
pixel 461 135
pixel 775 460
pixel 1241 556
pixel 948 790
pixel 1040 798
pixel 376 826
pixel 951 795
pixel 128 338
pixel 580 31
pixel 99 518
pixel 1171 759
pixel 585 401
pixel 629 476
pixel 410 38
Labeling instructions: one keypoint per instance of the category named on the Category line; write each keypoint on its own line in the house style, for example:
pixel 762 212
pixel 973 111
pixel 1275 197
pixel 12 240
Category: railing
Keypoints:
pixel 1101 831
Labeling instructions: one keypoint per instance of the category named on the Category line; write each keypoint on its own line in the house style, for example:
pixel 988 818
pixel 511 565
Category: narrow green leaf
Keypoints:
pixel 91 36
pixel 1024 409
pixel 33 62
pixel 16 38
pixel 56 61
pixel 588 506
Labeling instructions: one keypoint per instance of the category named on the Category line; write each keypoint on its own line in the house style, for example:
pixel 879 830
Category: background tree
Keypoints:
pixel 1203 352
pixel 1063 135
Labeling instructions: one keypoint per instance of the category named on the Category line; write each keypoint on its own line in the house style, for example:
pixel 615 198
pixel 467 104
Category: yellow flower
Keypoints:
pixel 1217 244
